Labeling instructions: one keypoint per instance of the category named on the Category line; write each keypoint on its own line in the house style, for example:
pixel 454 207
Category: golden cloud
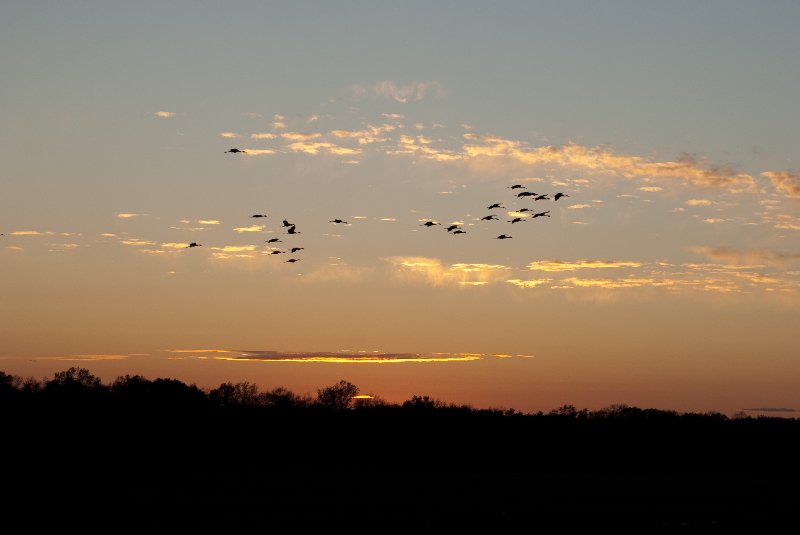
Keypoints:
pixel 164 114
pixel 785 182
pixel 208 221
pixel 263 135
pixel 174 245
pixel 300 136
pixel 229 135
pixel 558 265
pixel 699 202
pixel 433 271
pixel 253 228
pixel 235 248
pixel 128 216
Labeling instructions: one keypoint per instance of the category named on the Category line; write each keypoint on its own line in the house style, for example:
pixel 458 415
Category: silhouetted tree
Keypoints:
pixel 338 396
pixel 282 398
pixel 75 384
pixel 235 394
pixel 422 403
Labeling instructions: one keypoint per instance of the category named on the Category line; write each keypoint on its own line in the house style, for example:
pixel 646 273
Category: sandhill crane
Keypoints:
pixel 292 261
pixel 495 205
pixel 259 215
pixel 337 221
pixel 516 220
pixel 429 224
pixel 503 237
pixel 542 198
pixel 451 228
pixel 287 224
pixel 516 186
pixel 236 151
pixel 193 244
pixel 489 218
pixel 542 214
pixel 459 231
pixel 295 249
pixel 559 195
pixel 273 240
pixel 277 252
pixel 523 210
pixel 291 230
pixel 526 194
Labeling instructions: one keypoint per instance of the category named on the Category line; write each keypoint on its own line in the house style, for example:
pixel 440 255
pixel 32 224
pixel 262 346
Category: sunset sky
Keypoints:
pixel 669 277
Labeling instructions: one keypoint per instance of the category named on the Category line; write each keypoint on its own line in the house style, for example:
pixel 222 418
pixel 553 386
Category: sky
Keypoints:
pixel 667 276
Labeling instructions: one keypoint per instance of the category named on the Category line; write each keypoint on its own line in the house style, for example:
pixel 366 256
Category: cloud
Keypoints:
pixel 263 136
pixel 393 116
pixel 579 206
pixel 164 114
pixel 432 271
pixel 337 357
pixel 785 182
pixel 771 409
pixel 371 134
pixel 229 135
pixel 558 265
pixel 605 160
pixel 300 136
pixel 208 221
pixel 528 283
pixel 26 233
pixel 651 189
pixel 403 94
pixel 734 256
pixel 409 145
pixel 699 202
pixel 258 152
pixel 235 248
pixel 714 220
pixel 278 125
pixel 313 148
pixel 136 242
pixel 253 228
pixel 338 273
pixel 91 357
pixel 173 245
pixel 128 216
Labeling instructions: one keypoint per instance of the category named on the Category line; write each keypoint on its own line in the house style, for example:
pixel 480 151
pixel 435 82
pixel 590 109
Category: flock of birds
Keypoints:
pixel 519 216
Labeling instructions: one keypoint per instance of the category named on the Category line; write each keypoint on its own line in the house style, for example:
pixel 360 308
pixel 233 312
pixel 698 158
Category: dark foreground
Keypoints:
pixel 138 462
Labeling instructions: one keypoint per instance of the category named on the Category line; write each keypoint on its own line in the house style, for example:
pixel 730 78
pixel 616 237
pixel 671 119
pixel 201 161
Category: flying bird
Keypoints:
pixel 273 240
pixel 526 194
pixel 193 244
pixel 542 214
pixel 495 205
pixel 559 195
pixel 542 198
pixel 429 224
pixel 516 220
pixel 459 231
pixel 259 215
pixel 291 230
pixel 277 252
pixel 503 237
pixel 337 221
pixel 235 151
pixel 287 224
pixel 525 210
pixel 295 249
pixel 292 260
pixel 489 218
pixel 451 228
pixel 516 186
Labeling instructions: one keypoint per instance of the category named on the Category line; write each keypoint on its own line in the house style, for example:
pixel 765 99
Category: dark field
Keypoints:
pixel 147 455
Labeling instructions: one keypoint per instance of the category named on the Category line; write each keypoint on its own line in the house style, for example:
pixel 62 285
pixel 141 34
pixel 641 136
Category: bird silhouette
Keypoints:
pixel 292 261
pixel 235 151
pixel 526 194
pixel 277 252
pixel 542 214
pixel 291 230
pixel 559 195
pixel 516 186
pixel 295 249
pixel 193 244
pixel 451 228
pixel 489 218
pixel 459 231
pixel 495 205
pixel 542 198
pixel 429 224
pixel 337 221
pixel 259 215
pixel 287 224
pixel 516 220
pixel 273 240
pixel 503 237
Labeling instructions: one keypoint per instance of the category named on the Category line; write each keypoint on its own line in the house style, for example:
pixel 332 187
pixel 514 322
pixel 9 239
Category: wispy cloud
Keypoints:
pixel 651 189
pixel 263 135
pixel 371 134
pixel 136 242
pixel 164 114
pixel 300 136
pixel 339 357
pixel 252 228
pixel 26 233
pixel 175 245
pixel 558 265
pixel 531 283
pixel 235 248
pixel 313 148
pixel 733 256
pixel 259 152
pixel 128 216
pixel 699 202
pixel 403 94
pixel 785 182
pixel 229 135
pixel 579 206
pixel 434 272
pixel 208 221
